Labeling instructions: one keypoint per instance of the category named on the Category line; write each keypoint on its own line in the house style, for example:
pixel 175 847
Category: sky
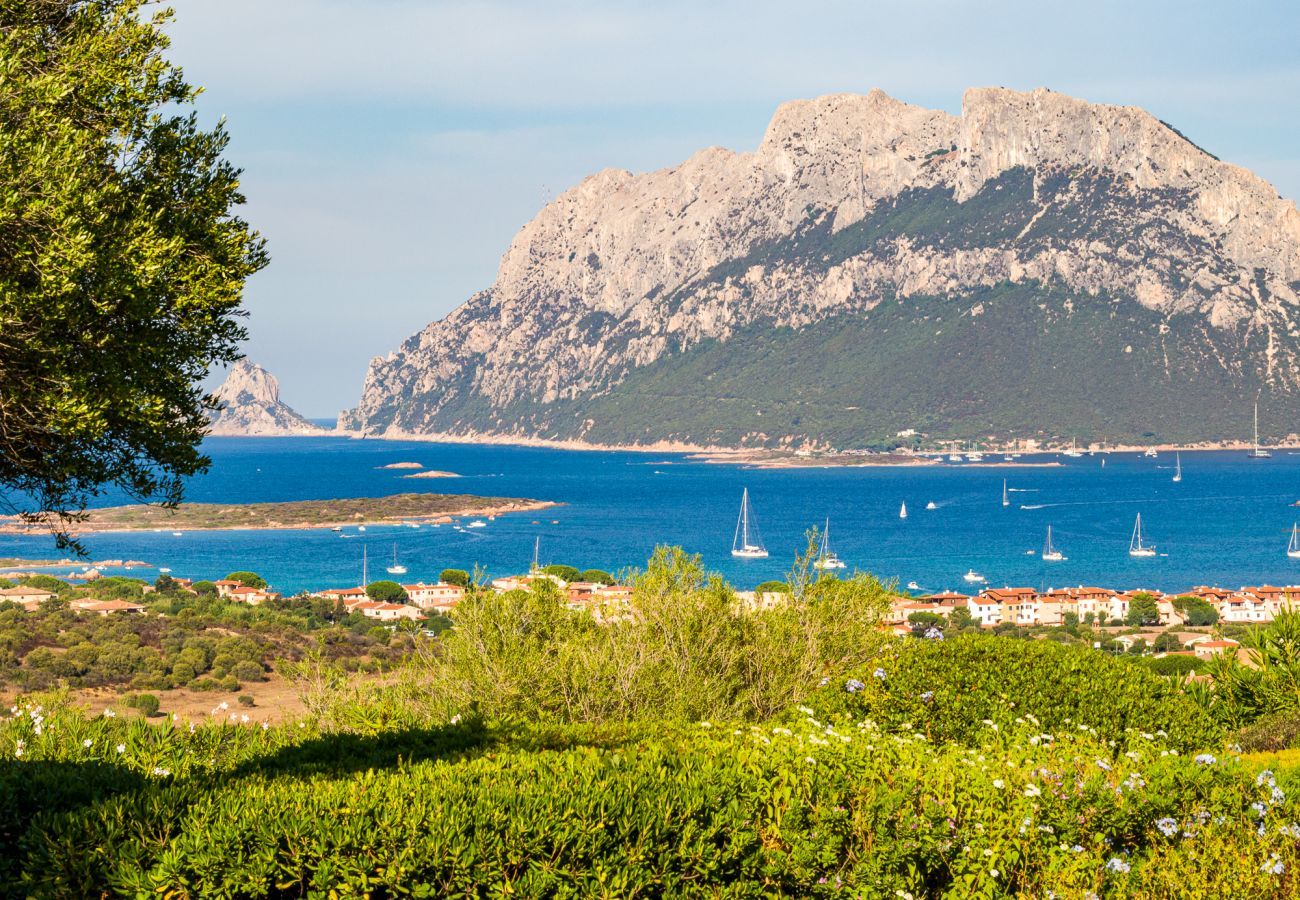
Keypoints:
pixel 392 148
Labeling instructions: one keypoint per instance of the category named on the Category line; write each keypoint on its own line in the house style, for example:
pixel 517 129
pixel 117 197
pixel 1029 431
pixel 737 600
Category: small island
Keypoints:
pixel 432 473
pixel 402 465
pixel 289 515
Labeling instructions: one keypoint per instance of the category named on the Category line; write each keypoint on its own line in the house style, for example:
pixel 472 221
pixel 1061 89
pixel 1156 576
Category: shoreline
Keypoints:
pixel 435 518
pixel 766 457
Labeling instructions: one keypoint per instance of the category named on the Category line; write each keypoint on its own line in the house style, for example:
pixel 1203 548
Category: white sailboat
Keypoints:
pixel 1135 545
pixel 1050 553
pixel 826 558
pixel 1178 468
pixel 932 505
pixel 396 568
pixel 902 511
pixel 1006 498
pixel 1258 452
pixel 974 577
pixel 1293 548
pixel 747 544
pixel 1074 450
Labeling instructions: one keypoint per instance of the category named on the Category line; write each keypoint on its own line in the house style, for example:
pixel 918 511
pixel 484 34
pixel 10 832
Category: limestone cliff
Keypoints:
pixel 251 406
pixel 1099 232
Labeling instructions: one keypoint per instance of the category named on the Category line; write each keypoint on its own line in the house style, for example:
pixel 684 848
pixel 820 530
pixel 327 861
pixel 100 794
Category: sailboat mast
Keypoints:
pixel 365 566
pixel 744 518
pixel 1257 426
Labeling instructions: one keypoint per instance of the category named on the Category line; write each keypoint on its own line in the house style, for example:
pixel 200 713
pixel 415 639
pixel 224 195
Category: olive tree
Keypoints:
pixel 122 263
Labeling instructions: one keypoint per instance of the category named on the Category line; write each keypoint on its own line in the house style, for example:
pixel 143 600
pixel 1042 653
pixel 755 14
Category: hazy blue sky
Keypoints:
pixel 393 147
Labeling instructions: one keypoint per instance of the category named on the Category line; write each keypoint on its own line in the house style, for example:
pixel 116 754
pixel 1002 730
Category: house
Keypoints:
pixel 1016 605
pixel 225 586
pixel 27 597
pixel 985 610
pixel 345 594
pixel 440 597
pixel 386 612
pixel 251 596
pixel 1205 649
pixel 105 607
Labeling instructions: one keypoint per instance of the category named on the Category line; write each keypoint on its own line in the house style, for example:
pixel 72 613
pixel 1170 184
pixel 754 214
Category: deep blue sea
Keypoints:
pixel 1226 523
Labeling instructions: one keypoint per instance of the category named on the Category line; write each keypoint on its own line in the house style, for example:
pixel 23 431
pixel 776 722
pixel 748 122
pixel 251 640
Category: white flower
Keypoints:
pixel 223 705
pixel 810 760
pixel 109 714
pixel 1032 790
pixel 243 719
pixel 455 720
pixel 121 748
pixel 87 742
pixel 266 726
pixel 993 872
pixel 999 783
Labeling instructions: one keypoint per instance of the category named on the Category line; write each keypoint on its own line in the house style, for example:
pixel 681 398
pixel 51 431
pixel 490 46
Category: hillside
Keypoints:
pixel 251 406
pixel 1036 267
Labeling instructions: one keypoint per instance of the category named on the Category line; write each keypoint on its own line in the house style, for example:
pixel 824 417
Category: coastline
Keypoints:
pixel 766 457
pixel 8 527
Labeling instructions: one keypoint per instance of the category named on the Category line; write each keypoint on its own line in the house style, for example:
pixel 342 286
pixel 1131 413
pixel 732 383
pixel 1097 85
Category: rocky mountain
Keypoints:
pixel 1038 266
pixel 251 406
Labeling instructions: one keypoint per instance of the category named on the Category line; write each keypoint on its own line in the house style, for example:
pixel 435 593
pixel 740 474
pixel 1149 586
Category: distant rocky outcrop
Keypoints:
pixel 251 406
pixel 1037 267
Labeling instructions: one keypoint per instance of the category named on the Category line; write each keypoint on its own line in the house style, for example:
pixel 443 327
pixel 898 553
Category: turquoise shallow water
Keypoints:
pixel 1227 522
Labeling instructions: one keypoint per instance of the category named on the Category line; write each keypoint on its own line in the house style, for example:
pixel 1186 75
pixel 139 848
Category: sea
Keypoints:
pixel 1226 523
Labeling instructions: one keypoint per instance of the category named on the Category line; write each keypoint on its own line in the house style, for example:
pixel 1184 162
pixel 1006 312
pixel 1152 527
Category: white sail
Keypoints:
pixel 1050 553
pixel 1293 548
pixel 746 544
pixel 396 568
pixel 1257 452
pixel 1135 545
pixel 902 511
pixel 1006 498
pixel 826 558
pixel 1178 467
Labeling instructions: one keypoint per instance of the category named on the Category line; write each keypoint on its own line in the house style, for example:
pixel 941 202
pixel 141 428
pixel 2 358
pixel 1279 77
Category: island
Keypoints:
pixel 402 465
pixel 288 515
pixel 432 473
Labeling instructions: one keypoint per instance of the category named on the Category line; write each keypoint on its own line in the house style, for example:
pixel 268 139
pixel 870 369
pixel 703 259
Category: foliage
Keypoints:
pixel 457 577
pixel 1196 611
pixel 565 573
pixel 386 592
pixel 951 689
pixel 596 576
pixel 1142 610
pixel 1270 684
pixel 248 579
pixel 812 808
pixel 1279 731
pixel 121 261
pixel 682 648
pixel 772 587
pixel 204 588
pixel 1175 665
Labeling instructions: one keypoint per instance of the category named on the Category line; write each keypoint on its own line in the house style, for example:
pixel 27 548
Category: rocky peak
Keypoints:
pixel 250 398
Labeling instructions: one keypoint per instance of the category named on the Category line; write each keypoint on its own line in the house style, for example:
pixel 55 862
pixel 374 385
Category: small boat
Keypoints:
pixel 902 511
pixel 477 523
pixel 336 528
pixel 746 543
pixel 975 456
pixel 1135 545
pixel 396 568
pixel 974 577
pixel 1050 553
pixel 1006 499
pixel 931 505
pixel 177 533
pixel 826 558
pixel 954 457
pixel 913 586
pixel 1258 452
pixel 1178 468
pixel 1150 453
pixel 1074 451
pixel 165 571
pixel 361 528
pixel 1293 548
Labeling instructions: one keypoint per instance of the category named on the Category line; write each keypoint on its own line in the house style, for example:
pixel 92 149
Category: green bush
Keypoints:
pixel 386 592
pixel 564 573
pixel 596 576
pixel 147 704
pixel 1280 731
pixel 454 576
pixel 247 670
pixel 248 579
pixel 1175 666
pixel 246 700
pixel 948 689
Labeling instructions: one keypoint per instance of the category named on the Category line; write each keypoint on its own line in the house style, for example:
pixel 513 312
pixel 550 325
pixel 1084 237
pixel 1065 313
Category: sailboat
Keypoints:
pixel 826 558
pixel 1135 545
pixel 537 552
pixel 365 566
pixel 395 568
pixel 1006 498
pixel 747 544
pixel 1074 449
pixel 1258 452
pixel 1178 468
pixel 1050 553
pixel 1293 548
pixel 902 511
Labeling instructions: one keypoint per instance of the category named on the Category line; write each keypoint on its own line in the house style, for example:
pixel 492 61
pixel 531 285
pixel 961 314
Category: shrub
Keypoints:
pixel 247 670
pixel 1175 666
pixel 596 576
pixel 147 704
pixel 246 700
pixel 204 588
pixel 947 689
pixel 773 587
